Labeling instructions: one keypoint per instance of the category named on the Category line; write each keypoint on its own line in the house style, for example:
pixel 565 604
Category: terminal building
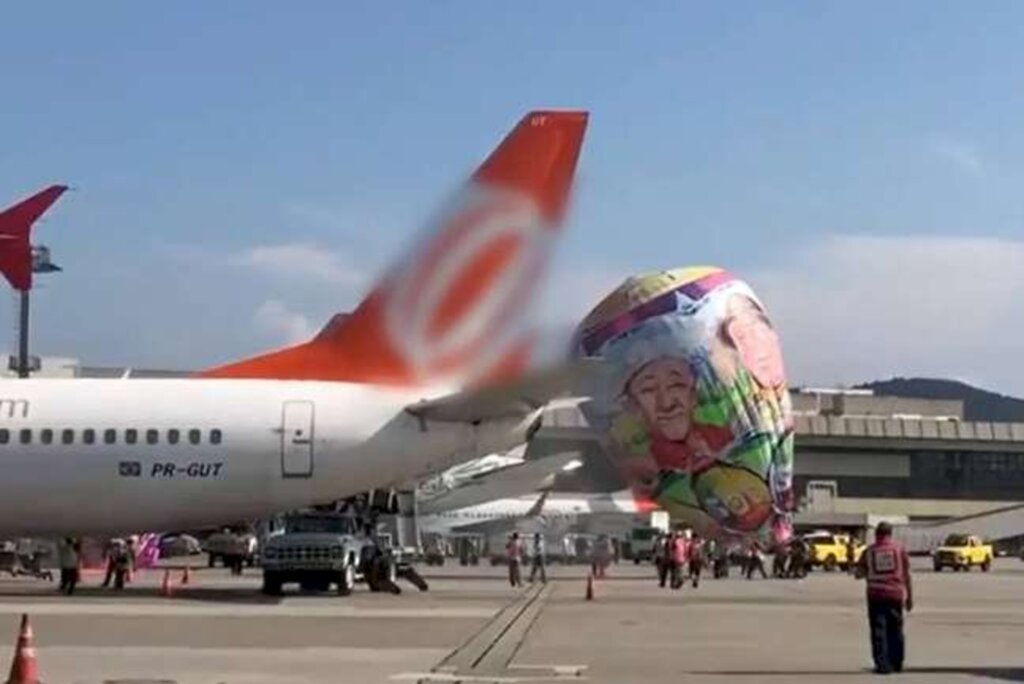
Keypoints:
pixel 859 456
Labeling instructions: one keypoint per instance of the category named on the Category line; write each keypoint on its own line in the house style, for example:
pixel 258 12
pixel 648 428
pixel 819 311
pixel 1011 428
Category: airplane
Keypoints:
pixel 548 512
pixel 427 372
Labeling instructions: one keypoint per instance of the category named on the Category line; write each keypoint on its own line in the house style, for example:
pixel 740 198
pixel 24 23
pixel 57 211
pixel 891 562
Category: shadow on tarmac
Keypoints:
pixel 240 595
pixel 1004 674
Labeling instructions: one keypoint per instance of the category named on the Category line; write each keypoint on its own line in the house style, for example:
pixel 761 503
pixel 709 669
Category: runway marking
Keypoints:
pixel 488 654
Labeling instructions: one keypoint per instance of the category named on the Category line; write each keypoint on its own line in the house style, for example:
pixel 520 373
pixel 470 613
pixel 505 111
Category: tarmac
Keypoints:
pixel 471 626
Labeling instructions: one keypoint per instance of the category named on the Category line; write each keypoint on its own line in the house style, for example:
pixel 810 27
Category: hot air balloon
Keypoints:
pixel 693 402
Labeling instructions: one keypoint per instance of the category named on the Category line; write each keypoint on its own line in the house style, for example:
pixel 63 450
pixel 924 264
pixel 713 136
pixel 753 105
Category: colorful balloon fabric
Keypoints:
pixel 693 401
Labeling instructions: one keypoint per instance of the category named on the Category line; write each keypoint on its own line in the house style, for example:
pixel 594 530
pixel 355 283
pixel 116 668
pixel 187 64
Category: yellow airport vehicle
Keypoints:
pixel 962 552
pixel 830 551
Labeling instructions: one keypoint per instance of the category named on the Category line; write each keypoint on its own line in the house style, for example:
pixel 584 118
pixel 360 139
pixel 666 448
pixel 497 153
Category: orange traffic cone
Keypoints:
pixel 186 575
pixel 590 586
pixel 165 588
pixel 24 668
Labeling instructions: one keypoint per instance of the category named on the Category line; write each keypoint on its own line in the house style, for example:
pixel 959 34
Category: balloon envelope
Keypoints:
pixel 693 401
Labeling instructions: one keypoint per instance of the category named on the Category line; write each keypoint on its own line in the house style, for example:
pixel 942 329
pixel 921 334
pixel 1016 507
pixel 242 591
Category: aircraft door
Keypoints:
pixel 297 439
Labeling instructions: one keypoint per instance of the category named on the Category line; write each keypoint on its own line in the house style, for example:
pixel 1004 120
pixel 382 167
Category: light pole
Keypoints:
pixel 41 263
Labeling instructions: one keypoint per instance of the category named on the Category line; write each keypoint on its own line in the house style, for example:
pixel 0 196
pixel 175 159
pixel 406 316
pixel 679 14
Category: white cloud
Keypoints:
pixel 274 319
pixel 855 308
pixel 305 261
pixel 964 155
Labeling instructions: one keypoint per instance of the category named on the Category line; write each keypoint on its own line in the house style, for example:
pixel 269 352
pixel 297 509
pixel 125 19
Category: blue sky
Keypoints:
pixel 860 163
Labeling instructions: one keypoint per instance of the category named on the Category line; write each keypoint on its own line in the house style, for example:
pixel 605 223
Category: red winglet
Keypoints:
pixel 15 231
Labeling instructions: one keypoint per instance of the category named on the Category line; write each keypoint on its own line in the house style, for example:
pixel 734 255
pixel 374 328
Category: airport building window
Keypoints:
pixel 25 436
pixel 67 437
pixel 173 436
pixel 46 436
pixel 5 436
pixel 152 436
pixel 131 436
pixel 88 436
pixel 110 436
pixel 215 436
pixel 194 436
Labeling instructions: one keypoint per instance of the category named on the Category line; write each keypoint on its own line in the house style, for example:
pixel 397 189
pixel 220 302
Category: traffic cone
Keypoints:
pixel 165 587
pixel 590 586
pixel 24 668
pixel 186 575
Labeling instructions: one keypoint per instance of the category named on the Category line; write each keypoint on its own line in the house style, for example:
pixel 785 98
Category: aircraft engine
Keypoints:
pixel 692 401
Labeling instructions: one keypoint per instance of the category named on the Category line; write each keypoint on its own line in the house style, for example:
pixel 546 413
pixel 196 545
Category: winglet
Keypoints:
pixel 15 231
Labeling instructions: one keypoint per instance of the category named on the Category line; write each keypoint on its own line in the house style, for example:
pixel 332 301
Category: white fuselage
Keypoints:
pixel 556 510
pixel 105 456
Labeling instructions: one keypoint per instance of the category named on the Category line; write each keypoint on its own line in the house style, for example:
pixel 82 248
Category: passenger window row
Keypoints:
pixel 110 436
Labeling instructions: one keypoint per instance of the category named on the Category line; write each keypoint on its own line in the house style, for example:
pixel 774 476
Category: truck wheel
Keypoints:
pixel 271 584
pixel 346 580
pixel 937 566
pixel 830 563
pixel 986 564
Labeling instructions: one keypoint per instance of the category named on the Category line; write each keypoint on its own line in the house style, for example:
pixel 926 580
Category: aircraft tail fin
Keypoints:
pixel 455 309
pixel 15 231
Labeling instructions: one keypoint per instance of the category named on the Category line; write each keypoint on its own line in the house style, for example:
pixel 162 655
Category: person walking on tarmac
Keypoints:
pixel 69 555
pixel 851 553
pixel 663 557
pixel 886 567
pixel 537 559
pixel 755 561
pixel 695 558
pixel 122 562
pixel 680 554
pixel 514 553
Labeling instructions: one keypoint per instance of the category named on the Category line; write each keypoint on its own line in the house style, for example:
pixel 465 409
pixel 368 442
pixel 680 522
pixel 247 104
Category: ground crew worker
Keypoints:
pixel 755 561
pixel 514 553
pixel 108 555
pixel 851 553
pixel 680 552
pixel 537 559
pixel 69 554
pixel 886 567
pixel 123 560
pixel 695 556
pixel 662 557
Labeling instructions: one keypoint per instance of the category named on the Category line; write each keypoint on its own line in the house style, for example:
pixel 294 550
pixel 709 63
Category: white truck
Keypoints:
pixel 318 550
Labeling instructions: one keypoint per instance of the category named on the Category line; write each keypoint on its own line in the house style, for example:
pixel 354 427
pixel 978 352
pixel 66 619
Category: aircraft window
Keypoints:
pixel 5 436
pixel 131 436
pixel 110 436
pixel 173 436
pixel 194 436
pixel 88 436
pixel 25 436
pixel 67 437
pixel 215 436
pixel 46 436
pixel 152 436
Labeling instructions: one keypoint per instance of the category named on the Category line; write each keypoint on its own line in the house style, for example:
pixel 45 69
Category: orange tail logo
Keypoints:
pixel 456 308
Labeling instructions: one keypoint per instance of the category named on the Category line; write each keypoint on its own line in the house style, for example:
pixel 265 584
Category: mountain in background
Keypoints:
pixel 979 404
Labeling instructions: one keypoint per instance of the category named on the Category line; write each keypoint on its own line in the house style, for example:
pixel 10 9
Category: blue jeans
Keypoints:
pixel 887 646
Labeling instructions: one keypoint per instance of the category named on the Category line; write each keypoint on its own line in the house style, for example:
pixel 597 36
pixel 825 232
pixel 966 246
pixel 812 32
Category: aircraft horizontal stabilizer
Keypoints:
pixel 538 507
pixel 517 398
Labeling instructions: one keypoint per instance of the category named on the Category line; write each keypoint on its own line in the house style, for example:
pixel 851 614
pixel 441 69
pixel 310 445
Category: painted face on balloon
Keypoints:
pixel 755 340
pixel 735 497
pixel 664 391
